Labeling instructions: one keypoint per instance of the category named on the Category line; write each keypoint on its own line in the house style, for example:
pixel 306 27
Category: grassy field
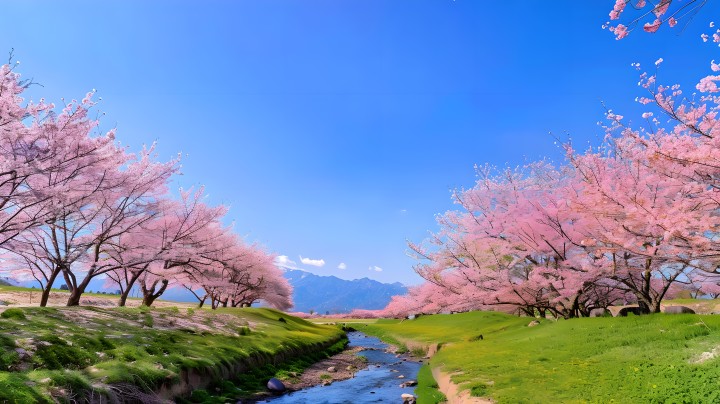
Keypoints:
pixel 655 358
pixel 67 354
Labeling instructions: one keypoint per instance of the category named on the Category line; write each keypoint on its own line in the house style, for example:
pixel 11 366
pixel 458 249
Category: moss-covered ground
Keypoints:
pixel 654 359
pixel 71 354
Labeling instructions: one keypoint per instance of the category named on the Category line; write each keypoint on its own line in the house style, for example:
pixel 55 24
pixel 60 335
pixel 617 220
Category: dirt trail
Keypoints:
pixel 451 390
pixel 32 298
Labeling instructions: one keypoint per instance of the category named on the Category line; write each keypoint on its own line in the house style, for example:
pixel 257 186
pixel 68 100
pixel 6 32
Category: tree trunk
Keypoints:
pixel 149 294
pixel 74 299
pixel 46 290
pixel 128 288
pixel 77 292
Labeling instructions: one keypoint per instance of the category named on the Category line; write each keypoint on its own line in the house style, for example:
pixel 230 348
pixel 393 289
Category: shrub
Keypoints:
pixel 15 313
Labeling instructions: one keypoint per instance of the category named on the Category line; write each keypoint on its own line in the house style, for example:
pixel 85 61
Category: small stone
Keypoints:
pixel 401 377
pixel 350 367
pixel 408 383
pixel 408 398
pixel 275 385
pixel 332 369
pixel 533 323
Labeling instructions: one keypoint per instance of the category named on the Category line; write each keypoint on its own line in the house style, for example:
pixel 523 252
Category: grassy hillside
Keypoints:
pixel 655 358
pixel 69 354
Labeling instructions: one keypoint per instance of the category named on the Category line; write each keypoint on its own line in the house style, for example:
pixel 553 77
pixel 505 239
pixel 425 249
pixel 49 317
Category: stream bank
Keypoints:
pixel 385 379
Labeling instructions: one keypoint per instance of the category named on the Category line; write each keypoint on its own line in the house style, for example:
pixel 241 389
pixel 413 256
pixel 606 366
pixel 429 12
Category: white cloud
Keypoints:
pixel 342 266
pixel 375 268
pixel 315 263
pixel 284 262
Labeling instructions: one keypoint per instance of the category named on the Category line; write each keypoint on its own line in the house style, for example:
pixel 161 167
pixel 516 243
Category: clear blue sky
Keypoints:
pixel 335 130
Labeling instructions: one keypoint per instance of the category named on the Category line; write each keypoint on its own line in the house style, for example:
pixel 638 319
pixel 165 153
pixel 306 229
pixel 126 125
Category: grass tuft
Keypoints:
pixel 13 313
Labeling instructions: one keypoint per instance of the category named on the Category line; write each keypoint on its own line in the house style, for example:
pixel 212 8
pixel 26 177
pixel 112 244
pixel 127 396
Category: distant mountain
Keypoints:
pixel 330 294
pixel 4 281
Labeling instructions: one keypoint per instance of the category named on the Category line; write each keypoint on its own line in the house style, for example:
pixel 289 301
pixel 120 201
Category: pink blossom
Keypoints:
pixel 617 9
pixel 652 27
pixel 708 84
pixel 672 21
pixel 620 31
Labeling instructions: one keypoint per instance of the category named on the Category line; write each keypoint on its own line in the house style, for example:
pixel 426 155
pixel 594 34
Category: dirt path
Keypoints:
pixel 453 392
pixel 32 298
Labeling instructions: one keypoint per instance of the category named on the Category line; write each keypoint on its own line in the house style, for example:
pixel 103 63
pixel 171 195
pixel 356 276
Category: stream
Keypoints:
pixel 378 383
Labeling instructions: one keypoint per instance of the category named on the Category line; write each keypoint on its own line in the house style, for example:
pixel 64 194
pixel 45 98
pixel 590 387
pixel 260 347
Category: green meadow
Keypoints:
pixel 655 358
pixel 74 354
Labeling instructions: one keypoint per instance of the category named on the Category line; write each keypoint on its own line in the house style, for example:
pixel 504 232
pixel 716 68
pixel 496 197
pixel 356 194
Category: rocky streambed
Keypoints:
pixel 368 372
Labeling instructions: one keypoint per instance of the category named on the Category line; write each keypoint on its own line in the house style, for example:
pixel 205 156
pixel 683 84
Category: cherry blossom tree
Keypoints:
pixel 231 273
pixel 75 204
pixel 632 220
pixel 70 190
pixel 133 201
pixel 21 152
pixel 644 229
pixel 514 244
pixel 153 251
pixel 39 151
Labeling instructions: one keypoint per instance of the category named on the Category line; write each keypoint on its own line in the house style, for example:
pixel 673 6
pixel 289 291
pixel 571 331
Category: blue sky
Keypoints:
pixel 335 130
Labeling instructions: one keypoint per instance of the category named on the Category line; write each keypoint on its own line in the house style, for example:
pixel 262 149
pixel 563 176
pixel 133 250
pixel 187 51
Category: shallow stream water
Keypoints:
pixel 379 383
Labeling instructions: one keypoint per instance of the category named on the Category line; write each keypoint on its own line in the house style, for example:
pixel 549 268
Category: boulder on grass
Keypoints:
pixel 627 310
pixel 275 385
pixel 599 312
pixel 678 310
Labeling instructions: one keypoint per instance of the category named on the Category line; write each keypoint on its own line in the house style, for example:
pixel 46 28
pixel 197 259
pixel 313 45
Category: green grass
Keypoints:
pixel 72 351
pixel 427 388
pixel 624 360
